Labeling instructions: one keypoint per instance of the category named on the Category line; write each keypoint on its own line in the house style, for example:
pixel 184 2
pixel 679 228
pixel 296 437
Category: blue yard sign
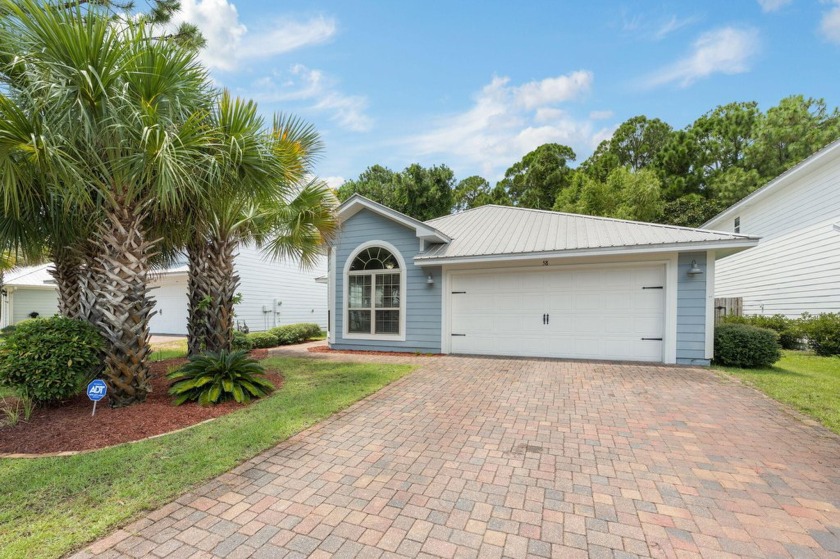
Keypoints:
pixel 96 390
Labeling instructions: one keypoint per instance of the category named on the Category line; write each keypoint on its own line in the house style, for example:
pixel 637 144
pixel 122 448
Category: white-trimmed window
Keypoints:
pixel 375 283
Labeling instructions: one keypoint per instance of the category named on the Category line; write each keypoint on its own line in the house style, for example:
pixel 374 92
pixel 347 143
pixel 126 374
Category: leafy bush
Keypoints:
pixel 822 333
pixel 218 377
pixel 50 359
pixel 261 340
pixel 743 345
pixel 241 341
pixel 296 333
pixel 789 330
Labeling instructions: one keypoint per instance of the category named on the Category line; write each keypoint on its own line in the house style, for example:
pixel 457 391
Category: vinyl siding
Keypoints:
pixel 691 310
pixel 423 302
pixel 25 301
pixel 275 293
pixel 795 265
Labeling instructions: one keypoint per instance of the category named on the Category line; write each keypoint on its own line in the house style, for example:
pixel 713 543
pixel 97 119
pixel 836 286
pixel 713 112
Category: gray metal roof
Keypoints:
pixel 501 230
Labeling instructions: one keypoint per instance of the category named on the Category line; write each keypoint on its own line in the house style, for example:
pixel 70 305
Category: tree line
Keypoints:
pixel 647 170
pixel 118 155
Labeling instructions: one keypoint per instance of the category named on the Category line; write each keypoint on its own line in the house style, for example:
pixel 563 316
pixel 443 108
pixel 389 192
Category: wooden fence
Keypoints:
pixel 728 306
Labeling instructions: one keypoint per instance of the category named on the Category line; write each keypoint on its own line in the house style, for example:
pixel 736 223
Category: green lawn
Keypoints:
pixel 50 506
pixel 806 381
pixel 169 350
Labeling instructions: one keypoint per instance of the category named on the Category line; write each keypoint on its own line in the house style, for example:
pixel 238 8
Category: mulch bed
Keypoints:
pixel 325 349
pixel 70 427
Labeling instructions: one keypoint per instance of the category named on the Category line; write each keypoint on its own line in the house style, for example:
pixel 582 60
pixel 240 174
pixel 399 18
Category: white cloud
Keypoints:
pixel 334 182
pixel 671 25
pixel 728 50
pixel 229 42
pixel 830 24
pixel 600 115
pixel 553 90
pixel 507 121
pixel 318 93
pixel 773 5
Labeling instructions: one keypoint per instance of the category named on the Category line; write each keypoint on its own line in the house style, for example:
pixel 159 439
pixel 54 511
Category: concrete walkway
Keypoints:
pixel 473 457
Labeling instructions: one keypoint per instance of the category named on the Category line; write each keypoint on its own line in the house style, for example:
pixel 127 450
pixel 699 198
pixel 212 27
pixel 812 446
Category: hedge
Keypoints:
pixel 742 345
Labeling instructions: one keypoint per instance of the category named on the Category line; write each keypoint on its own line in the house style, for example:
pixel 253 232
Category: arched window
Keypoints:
pixel 374 281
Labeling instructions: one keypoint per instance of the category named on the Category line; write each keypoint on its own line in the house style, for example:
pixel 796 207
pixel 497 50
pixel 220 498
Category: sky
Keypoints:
pixel 476 85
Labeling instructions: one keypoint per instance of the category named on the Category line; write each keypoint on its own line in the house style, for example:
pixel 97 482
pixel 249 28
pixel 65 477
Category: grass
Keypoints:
pixel 50 506
pixel 169 350
pixel 809 383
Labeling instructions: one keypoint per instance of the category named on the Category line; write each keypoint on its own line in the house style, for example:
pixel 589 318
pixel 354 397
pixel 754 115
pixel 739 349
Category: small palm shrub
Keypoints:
pixel 296 333
pixel 260 340
pixel 789 330
pixel 50 359
pixel 742 345
pixel 213 378
pixel 822 333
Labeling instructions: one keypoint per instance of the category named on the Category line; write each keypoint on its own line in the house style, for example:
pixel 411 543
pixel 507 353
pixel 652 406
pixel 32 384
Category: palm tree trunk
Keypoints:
pixel 120 275
pixel 88 287
pixel 198 291
pixel 67 273
pixel 222 285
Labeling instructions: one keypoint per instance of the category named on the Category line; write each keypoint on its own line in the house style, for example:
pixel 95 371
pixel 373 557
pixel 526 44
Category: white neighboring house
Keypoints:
pixel 796 265
pixel 273 294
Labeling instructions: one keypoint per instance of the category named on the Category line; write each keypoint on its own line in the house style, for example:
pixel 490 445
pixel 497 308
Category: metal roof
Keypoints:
pixel 29 276
pixel 501 230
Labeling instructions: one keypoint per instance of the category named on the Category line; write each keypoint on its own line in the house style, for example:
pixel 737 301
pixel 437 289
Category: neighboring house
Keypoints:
pixel 273 294
pixel 509 281
pixel 796 266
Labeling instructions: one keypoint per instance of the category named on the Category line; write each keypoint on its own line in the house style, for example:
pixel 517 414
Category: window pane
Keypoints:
pixel 387 322
pixel 359 322
pixel 374 258
pixel 387 290
pixel 359 291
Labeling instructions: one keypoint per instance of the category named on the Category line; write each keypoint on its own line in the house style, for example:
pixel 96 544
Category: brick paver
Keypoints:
pixel 472 457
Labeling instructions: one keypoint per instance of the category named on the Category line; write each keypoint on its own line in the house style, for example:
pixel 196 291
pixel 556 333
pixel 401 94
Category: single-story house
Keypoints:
pixel 518 282
pixel 794 269
pixel 273 294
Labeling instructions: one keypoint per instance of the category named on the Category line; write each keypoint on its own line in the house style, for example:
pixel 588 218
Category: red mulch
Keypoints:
pixel 325 349
pixel 70 427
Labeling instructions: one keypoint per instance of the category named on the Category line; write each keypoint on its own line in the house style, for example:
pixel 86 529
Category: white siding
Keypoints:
pixel 277 293
pixel 794 268
pixel 25 301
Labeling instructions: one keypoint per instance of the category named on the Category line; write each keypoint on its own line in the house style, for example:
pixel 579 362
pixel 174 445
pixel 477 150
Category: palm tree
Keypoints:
pixel 131 111
pixel 256 197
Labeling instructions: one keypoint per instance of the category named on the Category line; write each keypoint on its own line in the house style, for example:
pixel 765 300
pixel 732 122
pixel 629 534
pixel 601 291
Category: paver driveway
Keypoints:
pixel 472 457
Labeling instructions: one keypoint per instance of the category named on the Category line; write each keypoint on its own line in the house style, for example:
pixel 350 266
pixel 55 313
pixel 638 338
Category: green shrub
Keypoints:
pixel 296 333
pixel 789 329
pixel 822 333
pixel 261 340
pixel 743 345
pixel 241 341
pixel 218 377
pixel 50 359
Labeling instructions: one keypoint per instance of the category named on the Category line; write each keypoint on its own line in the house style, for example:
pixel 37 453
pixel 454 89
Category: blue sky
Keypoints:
pixel 476 85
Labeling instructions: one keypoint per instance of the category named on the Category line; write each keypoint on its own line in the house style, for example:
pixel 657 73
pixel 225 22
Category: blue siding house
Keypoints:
pixel 529 283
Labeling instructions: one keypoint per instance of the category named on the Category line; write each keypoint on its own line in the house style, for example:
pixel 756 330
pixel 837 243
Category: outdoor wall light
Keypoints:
pixel 695 269
pixel 430 280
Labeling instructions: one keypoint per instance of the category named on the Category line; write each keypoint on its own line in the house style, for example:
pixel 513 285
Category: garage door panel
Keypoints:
pixel 597 313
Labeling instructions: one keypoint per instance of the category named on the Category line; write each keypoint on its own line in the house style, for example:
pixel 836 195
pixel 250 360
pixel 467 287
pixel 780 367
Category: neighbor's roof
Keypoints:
pixel 29 276
pixel 39 276
pixel 824 155
pixel 507 231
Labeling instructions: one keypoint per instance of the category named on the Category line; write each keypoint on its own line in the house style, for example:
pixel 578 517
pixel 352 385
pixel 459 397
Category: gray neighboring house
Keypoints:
pixel 517 282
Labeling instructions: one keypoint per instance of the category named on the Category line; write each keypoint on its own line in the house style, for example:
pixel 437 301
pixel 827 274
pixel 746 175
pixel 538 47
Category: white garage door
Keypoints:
pixel 583 313
pixel 171 304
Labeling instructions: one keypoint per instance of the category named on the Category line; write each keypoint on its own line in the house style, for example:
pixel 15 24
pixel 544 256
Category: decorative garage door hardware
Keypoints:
pixel 655 287
pixel 462 335
pixel 546 319
pixel 652 339
pixel 459 292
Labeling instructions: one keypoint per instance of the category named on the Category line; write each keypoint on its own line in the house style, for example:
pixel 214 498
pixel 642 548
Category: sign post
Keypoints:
pixel 96 390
